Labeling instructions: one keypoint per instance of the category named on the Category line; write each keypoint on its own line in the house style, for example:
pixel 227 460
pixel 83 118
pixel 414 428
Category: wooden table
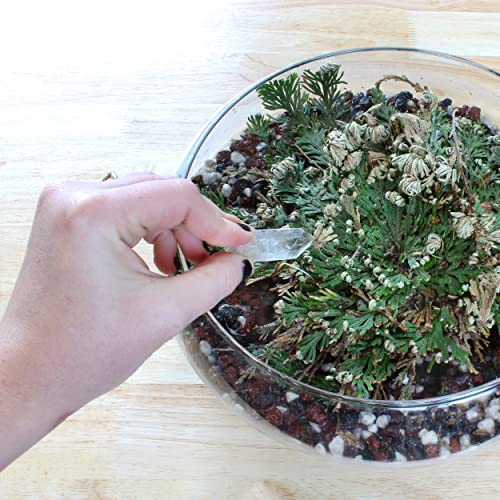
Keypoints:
pixel 107 85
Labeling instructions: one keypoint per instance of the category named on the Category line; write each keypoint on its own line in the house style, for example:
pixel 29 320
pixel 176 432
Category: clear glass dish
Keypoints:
pixel 313 419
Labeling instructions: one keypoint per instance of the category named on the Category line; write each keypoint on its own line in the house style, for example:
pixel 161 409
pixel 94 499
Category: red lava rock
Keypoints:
pixel 246 145
pixel 431 451
pixel 200 332
pixel 296 429
pixel 224 360
pixel 231 374
pixel 381 456
pixel 223 156
pixel 373 443
pixel 477 379
pixel 307 398
pixel 256 162
pixel 462 111
pixel 474 113
pixel 255 387
pixel 274 416
pixel 455 444
pixel 317 413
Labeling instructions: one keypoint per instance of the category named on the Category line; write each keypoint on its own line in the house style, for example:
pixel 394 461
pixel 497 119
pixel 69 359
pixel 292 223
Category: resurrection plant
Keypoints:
pixel 401 196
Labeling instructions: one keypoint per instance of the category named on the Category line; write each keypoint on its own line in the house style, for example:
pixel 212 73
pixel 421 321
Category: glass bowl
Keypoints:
pixel 307 417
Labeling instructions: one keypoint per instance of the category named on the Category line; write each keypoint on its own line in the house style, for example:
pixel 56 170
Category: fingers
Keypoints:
pixel 195 292
pixel 132 178
pixel 192 246
pixel 165 249
pixel 154 206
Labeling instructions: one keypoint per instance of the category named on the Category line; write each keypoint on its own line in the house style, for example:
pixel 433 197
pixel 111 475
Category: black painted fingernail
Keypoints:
pixel 206 247
pixel 247 271
pixel 245 227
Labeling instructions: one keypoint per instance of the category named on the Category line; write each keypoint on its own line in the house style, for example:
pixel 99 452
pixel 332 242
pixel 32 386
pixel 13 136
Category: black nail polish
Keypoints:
pixel 247 271
pixel 206 247
pixel 245 227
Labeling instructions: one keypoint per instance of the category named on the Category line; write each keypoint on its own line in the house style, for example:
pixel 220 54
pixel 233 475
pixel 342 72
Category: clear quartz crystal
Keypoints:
pixel 275 244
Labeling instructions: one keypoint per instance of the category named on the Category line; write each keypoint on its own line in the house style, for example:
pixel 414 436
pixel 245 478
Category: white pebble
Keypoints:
pixel 237 157
pixel 399 457
pixel 472 415
pixel 494 402
pixel 210 177
pixel 320 449
pixel 366 434
pixel 212 359
pixel 337 445
pixel 373 428
pixel 282 409
pixel 260 146
pixel 487 425
pixel 419 389
pixel 358 457
pixel 291 396
pixel 493 412
pixel 205 348
pixel 315 426
pixel 427 437
pixel 463 368
pixel 383 421
pixel 247 192
pixel 444 452
pixel 465 441
pixel 242 321
pixel 226 190
pixel 366 417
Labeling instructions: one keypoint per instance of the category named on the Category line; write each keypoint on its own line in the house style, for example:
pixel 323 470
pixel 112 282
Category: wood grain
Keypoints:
pixel 97 86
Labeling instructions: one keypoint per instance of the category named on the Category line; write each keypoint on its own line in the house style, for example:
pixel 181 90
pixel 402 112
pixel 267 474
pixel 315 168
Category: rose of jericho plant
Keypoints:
pixel 402 199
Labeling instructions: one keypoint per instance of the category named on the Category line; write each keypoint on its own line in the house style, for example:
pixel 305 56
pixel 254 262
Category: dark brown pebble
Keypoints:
pixel 263 400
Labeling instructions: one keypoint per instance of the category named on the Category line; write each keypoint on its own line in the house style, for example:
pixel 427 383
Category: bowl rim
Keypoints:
pixel 183 171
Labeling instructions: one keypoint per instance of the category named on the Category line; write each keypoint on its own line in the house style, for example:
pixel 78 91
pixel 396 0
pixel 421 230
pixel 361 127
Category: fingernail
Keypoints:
pixel 206 247
pixel 247 271
pixel 245 227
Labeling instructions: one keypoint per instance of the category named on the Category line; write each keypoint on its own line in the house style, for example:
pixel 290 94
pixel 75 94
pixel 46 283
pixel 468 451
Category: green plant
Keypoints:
pixel 404 210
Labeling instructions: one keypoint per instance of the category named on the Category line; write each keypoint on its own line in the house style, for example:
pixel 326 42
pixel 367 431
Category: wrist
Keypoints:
pixel 27 412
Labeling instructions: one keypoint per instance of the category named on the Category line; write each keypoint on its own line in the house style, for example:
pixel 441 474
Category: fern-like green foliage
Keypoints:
pixel 405 216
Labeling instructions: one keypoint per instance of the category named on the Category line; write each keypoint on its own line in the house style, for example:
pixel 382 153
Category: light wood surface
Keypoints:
pixel 125 86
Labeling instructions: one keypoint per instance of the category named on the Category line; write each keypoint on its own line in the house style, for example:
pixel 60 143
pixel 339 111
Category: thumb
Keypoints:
pixel 179 300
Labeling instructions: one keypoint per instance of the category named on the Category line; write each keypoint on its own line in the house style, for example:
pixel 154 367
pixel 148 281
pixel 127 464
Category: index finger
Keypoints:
pixel 153 206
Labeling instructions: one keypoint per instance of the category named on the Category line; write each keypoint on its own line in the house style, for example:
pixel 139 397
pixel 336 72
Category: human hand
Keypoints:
pixel 86 310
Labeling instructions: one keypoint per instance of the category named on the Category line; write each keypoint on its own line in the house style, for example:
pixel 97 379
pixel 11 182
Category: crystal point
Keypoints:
pixel 275 244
